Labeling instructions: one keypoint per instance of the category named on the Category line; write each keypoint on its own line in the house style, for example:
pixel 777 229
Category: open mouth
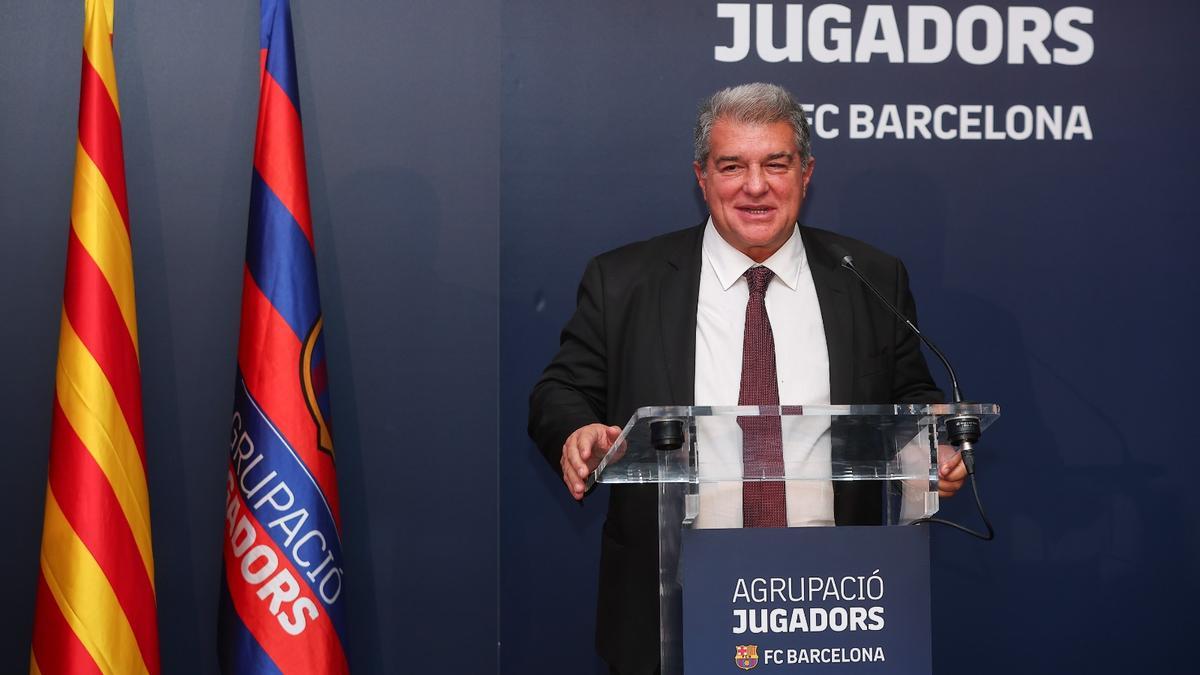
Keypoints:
pixel 756 210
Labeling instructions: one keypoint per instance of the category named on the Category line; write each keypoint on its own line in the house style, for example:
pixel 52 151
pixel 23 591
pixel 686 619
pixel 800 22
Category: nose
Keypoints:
pixel 756 181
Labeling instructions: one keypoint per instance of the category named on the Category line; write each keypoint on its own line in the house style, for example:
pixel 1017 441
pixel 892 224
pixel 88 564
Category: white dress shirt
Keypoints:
pixel 802 368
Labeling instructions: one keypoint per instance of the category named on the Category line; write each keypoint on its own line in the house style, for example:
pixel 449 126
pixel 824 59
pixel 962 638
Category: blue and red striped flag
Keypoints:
pixel 95 608
pixel 282 607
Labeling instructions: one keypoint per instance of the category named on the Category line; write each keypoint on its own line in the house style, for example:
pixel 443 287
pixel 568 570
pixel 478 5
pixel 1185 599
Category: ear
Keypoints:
pixel 699 171
pixel 807 175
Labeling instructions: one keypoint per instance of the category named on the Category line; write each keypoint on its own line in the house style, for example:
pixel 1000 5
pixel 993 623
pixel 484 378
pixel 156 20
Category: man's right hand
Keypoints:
pixel 582 452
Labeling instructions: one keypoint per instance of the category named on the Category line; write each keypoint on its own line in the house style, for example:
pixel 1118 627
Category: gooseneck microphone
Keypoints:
pixel 848 263
pixel 962 430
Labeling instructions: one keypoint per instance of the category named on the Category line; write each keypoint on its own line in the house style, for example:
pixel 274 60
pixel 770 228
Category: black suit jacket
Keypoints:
pixel 632 343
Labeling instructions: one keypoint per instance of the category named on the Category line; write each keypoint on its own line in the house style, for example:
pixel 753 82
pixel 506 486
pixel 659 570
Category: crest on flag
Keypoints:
pixel 314 379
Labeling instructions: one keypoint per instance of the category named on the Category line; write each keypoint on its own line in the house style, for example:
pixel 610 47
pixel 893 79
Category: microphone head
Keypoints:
pixel 843 256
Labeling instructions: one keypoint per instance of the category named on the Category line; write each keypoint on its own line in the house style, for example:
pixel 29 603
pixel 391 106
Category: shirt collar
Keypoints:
pixel 729 263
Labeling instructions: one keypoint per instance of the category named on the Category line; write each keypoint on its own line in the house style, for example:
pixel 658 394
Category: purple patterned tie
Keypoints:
pixel 763 502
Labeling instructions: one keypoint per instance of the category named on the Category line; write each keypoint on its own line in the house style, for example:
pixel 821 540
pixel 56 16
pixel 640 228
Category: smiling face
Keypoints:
pixel 754 184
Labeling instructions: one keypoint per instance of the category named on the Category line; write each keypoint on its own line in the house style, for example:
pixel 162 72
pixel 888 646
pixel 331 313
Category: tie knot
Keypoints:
pixel 758 277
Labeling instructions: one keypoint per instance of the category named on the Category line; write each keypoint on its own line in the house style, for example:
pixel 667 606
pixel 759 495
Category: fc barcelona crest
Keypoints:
pixel 746 656
pixel 314 381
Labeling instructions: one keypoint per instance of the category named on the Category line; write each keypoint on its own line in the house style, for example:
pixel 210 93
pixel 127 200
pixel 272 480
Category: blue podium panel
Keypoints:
pixel 844 600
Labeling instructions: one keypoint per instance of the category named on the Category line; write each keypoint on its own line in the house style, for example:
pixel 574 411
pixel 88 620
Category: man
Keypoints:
pixel 673 320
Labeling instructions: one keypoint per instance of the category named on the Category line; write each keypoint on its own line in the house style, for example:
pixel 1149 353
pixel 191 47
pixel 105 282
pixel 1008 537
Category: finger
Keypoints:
pixel 948 488
pixel 599 443
pixel 573 452
pixel 611 434
pixel 958 473
pixel 589 451
pixel 574 485
pixel 570 474
pixel 947 467
pixel 567 475
pixel 950 483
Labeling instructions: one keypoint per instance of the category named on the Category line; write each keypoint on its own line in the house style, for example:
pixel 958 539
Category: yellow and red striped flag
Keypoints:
pixel 95 609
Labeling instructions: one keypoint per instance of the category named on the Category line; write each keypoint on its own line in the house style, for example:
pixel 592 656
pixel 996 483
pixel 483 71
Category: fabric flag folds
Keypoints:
pixel 95 607
pixel 281 598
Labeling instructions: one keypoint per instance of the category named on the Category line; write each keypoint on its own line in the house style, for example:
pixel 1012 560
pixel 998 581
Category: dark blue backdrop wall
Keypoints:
pixel 401 117
pixel 1058 274
pixel 451 144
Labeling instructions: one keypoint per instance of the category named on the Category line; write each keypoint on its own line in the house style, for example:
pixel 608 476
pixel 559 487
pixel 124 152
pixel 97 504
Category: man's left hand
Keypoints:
pixel 951 471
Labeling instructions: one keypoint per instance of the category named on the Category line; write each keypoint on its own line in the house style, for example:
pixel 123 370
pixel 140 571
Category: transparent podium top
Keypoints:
pixel 698 444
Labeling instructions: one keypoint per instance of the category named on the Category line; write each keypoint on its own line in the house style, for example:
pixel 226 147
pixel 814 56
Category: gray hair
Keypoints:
pixel 755 103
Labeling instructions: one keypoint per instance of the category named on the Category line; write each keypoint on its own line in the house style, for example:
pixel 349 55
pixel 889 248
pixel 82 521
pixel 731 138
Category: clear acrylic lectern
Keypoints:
pixel 694 456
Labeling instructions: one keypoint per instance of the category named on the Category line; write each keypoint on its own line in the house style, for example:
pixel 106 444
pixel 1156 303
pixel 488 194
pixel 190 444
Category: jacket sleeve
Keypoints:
pixel 572 390
pixel 911 381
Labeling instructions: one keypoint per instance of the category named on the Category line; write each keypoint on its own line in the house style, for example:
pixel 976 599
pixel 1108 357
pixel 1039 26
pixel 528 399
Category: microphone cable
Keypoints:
pixel 968 456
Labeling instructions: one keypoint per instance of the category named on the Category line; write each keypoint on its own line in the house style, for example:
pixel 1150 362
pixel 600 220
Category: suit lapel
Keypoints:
pixel 830 281
pixel 679 294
